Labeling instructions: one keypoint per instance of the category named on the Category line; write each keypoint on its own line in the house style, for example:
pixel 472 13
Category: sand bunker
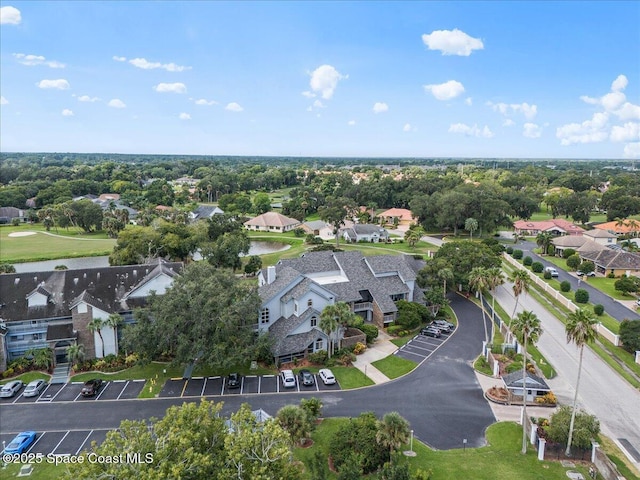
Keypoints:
pixel 21 234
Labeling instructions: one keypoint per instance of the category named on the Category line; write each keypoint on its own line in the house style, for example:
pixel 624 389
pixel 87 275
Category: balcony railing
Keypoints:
pixel 388 318
pixel 26 344
pixel 359 307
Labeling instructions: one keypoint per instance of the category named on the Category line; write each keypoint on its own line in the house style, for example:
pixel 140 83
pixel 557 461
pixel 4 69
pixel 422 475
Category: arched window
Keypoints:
pixel 314 321
pixel 264 315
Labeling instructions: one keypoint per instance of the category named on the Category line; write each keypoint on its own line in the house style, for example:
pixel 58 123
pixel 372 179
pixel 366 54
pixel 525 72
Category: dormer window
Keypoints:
pixel 314 321
pixel 310 302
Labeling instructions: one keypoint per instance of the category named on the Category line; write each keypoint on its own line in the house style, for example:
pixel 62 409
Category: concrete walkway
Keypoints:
pixel 382 348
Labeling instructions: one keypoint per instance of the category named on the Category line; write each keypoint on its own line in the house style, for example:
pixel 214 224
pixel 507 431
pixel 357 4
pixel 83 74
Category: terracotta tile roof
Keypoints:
pixel 272 219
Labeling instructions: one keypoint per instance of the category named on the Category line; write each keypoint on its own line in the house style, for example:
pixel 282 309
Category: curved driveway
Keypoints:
pixel 441 398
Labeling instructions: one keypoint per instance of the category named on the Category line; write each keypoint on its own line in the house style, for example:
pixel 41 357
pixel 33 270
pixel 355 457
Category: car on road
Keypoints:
pixel 590 274
pixel 8 390
pixel 20 442
pixel 431 332
pixel 552 271
pixel 306 378
pixel 234 380
pixel 288 378
pixel 327 376
pixel 34 388
pixel 91 387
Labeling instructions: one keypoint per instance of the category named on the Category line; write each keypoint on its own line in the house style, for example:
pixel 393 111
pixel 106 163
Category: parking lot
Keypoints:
pixel 421 346
pixel 70 392
pixel 68 442
pixel 212 386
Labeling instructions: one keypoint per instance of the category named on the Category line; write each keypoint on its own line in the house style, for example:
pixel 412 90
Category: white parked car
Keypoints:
pixel 8 390
pixel 34 388
pixel 552 271
pixel 288 378
pixel 327 376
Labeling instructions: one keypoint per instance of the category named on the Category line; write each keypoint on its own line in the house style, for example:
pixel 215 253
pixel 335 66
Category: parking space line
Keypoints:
pixel 85 441
pixel 119 381
pixel 140 380
pixel 37 440
pixel 123 389
pixel 222 391
pixel 196 378
pixel 259 383
pixel 421 348
pixel 102 391
pixel 54 397
pixel 184 388
pixel 61 440
pixel 241 385
pixel 77 396
pixel 416 354
pixel 17 398
pixel 42 394
pixel 204 385
pixel 76 383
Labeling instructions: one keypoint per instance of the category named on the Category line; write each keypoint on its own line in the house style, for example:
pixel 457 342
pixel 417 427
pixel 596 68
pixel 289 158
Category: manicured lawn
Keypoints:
pixel 482 366
pixel 607 285
pixel 351 377
pixel 28 377
pixel 43 246
pixel 400 341
pixel 42 471
pixel 394 366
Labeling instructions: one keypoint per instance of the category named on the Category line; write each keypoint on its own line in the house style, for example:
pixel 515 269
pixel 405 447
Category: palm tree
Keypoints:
pixel 543 240
pixel 521 282
pixel 495 278
pixel 342 314
pixel 114 321
pixel 96 325
pixel 479 282
pixel 43 358
pixel 581 328
pixel 413 235
pixel 393 431
pixel 528 329
pixel 471 225
pixel 445 274
pixel 329 324
pixel 75 353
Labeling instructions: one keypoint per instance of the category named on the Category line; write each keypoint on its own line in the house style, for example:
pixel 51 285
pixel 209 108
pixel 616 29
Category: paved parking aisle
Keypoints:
pixel 69 393
pixel 70 442
pixel 51 392
pixel 420 347
pixel 173 387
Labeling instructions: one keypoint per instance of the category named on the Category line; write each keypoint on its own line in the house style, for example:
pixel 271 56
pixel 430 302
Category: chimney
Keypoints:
pixel 271 274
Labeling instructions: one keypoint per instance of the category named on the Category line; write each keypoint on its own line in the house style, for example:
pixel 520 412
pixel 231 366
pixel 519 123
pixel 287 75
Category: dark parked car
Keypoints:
pixel 233 380
pixel 306 378
pixel 430 332
pixel 91 387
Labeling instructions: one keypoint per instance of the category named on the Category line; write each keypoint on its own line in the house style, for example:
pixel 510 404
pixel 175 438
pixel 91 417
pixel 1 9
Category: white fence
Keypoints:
pixel 602 330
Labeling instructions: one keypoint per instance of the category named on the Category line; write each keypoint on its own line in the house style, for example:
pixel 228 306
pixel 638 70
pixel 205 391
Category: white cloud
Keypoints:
pixel 10 16
pixel 60 84
pixel 628 111
pixel 203 101
pixel 324 80
pixel 318 104
pixel 3 101
pixel 380 107
pixel 351 123
pixel 471 131
pixel 452 42
pixel 308 94
pixel 529 111
pixel 445 91
pixel 184 116
pixel 119 59
pixel 87 98
pixel 589 131
pixel 147 65
pixel 619 83
pixel 632 150
pixel 628 132
pixel 32 60
pixel 67 113
pixel 408 128
pixel 508 123
pixel 116 103
pixel 468 101
pixel 234 107
pixel 532 130
pixel 177 87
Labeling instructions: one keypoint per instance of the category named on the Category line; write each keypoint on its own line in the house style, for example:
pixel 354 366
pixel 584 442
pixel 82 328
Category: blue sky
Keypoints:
pixel 386 79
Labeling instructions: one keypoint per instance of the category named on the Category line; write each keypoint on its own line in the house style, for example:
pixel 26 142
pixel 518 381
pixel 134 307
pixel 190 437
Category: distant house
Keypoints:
pixel 52 309
pixel 271 222
pixel 7 214
pixel 536 387
pixel 109 197
pixel 204 212
pixel 397 216
pixel 365 233
pixel 315 227
pixel 555 226
pixel 295 291
pixel 626 226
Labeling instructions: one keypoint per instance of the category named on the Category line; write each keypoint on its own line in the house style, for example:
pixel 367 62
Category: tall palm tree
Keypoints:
pixel 343 316
pixel 543 240
pixel 580 329
pixel 43 358
pixel 521 282
pixel 94 326
pixel 75 353
pixel 393 431
pixel 528 330
pixel 329 325
pixel 479 282
pixel 496 278
pixel 445 274
pixel 114 321
pixel 471 225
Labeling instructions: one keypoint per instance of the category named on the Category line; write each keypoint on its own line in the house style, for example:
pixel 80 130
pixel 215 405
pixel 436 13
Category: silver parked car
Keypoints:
pixel 8 390
pixel 34 388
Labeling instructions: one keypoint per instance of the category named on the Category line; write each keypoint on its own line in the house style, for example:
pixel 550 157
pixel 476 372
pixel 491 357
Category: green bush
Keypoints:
pixel 581 296
pixel 527 261
pixel 514 367
pixel 567 252
pixel 573 262
pixel 630 335
pixel 371 331
pixel 319 358
pixel 537 267
pixel 598 309
pixel 395 329
pixel 509 250
pixel 517 254
pixel 611 275
pixel 565 286
pixel 547 275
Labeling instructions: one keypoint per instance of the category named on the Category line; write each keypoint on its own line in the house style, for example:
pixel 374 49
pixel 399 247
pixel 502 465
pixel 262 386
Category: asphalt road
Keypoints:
pixel 441 398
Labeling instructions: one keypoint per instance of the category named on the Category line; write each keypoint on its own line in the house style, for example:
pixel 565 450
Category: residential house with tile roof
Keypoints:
pixel 555 226
pixel 361 232
pixel 53 309
pixel 272 222
pixel 397 216
pixel 295 291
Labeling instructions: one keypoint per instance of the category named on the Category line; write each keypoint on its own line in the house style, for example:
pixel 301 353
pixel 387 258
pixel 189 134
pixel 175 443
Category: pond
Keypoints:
pixel 257 248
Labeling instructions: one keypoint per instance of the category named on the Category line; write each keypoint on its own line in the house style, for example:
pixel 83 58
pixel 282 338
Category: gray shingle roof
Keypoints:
pixel 614 259
pixel 514 380
pixel 60 331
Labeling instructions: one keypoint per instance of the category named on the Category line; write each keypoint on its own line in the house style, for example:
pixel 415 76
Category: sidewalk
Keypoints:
pixel 380 349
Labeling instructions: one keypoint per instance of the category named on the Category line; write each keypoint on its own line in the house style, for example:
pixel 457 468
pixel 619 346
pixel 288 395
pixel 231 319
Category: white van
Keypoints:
pixel 327 376
pixel 288 378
